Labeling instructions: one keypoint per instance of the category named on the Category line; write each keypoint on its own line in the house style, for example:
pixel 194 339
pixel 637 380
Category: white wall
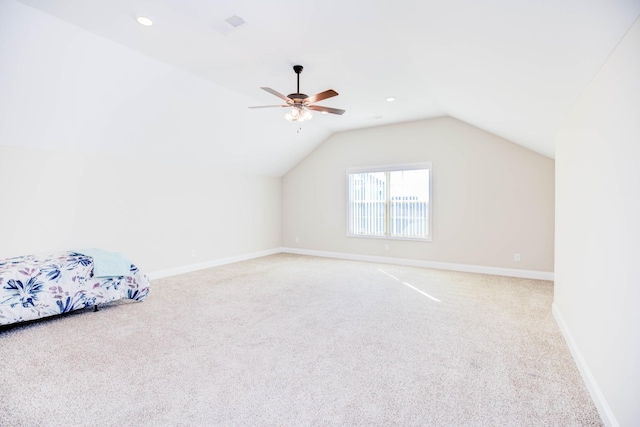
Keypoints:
pixel 97 148
pixel 65 88
pixel 491 198
pixel 156 214
pixel 597 289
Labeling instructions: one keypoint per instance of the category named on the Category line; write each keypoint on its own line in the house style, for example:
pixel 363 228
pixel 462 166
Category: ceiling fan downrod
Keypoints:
pixel 298 69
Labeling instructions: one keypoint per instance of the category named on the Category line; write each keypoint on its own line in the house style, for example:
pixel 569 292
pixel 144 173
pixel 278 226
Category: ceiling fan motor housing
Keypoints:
pixel 298 98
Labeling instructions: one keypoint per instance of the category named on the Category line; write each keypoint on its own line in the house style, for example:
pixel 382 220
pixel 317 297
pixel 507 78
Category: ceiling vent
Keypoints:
pixel 235 21
pixel 228 25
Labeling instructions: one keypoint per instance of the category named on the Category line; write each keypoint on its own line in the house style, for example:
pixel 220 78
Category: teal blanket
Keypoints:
pixel 107 264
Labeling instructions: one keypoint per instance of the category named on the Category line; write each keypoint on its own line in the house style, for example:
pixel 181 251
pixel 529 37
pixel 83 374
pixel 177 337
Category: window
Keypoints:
pixel 392 202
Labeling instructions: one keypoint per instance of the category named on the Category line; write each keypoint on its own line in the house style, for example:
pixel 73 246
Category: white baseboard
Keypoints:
pixel 604 410
pixel 525 274
pixel 213 263
pixel 511 272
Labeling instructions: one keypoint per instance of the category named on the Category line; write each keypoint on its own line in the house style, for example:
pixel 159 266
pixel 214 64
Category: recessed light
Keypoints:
pixel 143 20
pixel 390 99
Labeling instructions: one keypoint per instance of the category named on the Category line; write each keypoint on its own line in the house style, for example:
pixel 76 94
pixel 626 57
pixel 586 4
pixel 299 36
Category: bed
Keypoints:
pixel 36 286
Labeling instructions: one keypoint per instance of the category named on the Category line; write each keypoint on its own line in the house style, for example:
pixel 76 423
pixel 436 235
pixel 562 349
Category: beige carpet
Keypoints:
pixel 291 340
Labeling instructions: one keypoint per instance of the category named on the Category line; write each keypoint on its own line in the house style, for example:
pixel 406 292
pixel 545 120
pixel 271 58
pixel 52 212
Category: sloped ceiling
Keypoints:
pixel 510 67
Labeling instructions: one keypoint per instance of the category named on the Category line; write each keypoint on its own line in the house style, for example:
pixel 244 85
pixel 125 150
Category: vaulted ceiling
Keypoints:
pixel 509 67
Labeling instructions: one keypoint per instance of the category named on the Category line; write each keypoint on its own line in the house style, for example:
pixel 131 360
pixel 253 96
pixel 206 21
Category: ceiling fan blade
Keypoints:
pixel 326 109
pixel 276 93
pixel 320 96
pixel 270 106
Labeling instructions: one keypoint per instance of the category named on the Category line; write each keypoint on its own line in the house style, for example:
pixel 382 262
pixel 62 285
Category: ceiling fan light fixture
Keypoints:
pixel 292 114
pixel 298 114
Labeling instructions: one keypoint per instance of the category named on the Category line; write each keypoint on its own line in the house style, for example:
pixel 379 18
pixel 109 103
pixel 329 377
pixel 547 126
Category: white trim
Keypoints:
pixel 213 263
pixel 606 414
pixel 390 168
pixel 371 236
pixel 497 271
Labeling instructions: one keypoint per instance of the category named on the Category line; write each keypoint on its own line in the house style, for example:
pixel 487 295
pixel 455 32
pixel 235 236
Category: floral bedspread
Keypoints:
pixel 35 286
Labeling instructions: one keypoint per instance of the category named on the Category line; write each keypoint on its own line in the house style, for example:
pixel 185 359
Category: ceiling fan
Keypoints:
pixel 301 104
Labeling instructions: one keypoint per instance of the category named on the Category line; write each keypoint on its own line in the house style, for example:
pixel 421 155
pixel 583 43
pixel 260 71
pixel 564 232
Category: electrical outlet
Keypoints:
pixel 193 252
pixel 297 240
pixel 516 257
pixel 386 247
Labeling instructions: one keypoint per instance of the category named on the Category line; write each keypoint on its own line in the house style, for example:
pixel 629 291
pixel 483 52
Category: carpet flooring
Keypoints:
pixel 290 340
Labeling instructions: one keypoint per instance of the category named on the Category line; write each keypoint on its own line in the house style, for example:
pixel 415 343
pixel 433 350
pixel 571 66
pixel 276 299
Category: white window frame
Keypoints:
pixel 391 168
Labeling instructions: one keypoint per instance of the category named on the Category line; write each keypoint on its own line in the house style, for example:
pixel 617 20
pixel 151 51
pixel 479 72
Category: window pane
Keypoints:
pixel 367 197
pixel 409 200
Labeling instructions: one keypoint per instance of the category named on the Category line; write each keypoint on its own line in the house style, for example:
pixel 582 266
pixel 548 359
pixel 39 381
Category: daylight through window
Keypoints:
pixel 390 201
